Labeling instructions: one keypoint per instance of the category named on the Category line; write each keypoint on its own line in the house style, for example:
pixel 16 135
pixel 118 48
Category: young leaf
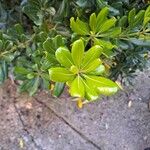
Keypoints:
pixel 93 53
pixel 102 85
pixel 131 16
pixel 102 16
pixel 107 25
pixel 90 93
pixel 64 57
pixel 92 66
pixel 77 52
pixel 98 71
pixel 59 74
pixel 81 30
pixel 77 88
pixel 92 22
pixel 138 18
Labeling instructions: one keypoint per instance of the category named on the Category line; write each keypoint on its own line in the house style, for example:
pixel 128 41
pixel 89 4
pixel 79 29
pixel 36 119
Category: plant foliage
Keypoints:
pixel 108 39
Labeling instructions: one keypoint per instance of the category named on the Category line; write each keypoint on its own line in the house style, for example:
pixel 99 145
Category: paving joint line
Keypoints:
pixel 70 125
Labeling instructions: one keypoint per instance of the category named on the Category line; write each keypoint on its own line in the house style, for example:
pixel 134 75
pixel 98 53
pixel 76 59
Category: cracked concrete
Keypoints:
pixel 121 122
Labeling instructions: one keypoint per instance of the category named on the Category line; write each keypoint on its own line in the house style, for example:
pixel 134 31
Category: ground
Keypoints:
pixel 121 122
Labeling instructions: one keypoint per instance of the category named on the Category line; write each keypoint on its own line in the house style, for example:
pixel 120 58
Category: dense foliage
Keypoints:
pixel 107 39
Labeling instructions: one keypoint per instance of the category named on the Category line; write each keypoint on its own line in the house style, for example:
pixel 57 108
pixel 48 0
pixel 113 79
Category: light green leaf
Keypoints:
pixel 138 18
pixel 102 16
pixel 104 44
pixel 59 74
pixel 77 52
pixel 146 16
pixel 77 88
pixel 64 57
pixel 74 69
pixel 102 85
pixel 75 26
pixel 92 22
pixel 98 71
pixel 90 93
pixel 92 66
pixel 112 33
pixel 84 26
pixel 93 53
pixel 107 25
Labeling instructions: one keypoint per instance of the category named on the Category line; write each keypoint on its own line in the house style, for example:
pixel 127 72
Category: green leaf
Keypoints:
pixel 35 86
pixel 79 27
pixel 138 18
pixel 93 53
pixel 26 85
pixel 123 21
pixel 52 44
pixel 64 57
pixel 2 76
pixel 98 71
pixel 104 44
pixel 92 66
pixel 77 52
pixel 74 69
pixel 21 70
pixel 90 93
pixel 131 16
pixel 92 22
pixel 146 16
pixel 59 74
pixel 102 85
pixel 58 89
pixel 102 16
pixel 107 25
pixel 77 88
pixel 5 69
pixel 112 33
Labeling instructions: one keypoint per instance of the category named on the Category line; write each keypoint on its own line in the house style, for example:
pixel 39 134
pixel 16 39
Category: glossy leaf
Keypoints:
pixel 58 89
pixel 77 88
pixel 102 85
pixel 79 27
pixel 90 93
pixel 59 74
pixel 64 57
pixel 102 16
pixel 107 25
pixel 77 52
pixel 93 53
pixel 131 16
pixel 92 66
pixel 98 71
pixel 93 22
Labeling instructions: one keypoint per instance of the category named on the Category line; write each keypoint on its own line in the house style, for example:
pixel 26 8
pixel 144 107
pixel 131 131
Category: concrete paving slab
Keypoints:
pixel 121 122
pixel 110 123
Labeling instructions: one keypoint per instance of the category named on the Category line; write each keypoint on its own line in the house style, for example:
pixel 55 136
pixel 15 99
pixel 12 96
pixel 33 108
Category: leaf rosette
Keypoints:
pixel 82 71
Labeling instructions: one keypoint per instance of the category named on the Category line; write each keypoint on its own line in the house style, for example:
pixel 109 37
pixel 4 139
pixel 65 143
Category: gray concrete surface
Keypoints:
pixel 121 122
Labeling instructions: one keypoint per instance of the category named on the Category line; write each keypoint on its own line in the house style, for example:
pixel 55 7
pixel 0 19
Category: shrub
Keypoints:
pixel 109 39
